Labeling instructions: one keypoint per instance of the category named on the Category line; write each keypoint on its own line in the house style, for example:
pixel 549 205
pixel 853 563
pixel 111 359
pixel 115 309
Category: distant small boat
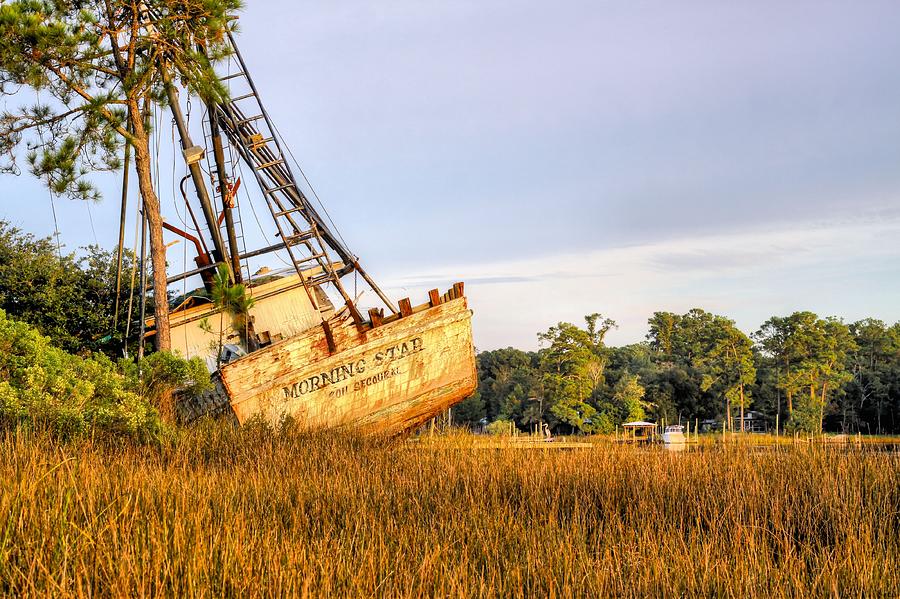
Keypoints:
pixel 674 434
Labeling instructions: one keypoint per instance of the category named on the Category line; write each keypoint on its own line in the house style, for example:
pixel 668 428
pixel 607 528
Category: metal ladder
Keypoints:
pixel 305 237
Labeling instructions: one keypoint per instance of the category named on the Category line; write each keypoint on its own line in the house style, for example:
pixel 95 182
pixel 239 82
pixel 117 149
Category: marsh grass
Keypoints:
pixel 223 512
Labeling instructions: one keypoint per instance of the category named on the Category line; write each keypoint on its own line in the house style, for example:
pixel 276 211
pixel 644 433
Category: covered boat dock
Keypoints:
pixel 639 432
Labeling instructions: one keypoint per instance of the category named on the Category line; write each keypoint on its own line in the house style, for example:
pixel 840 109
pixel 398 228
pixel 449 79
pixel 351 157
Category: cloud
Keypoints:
pixel 748 276
pixel 418 282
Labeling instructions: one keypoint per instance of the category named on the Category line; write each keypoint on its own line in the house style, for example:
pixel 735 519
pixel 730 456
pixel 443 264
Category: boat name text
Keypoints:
pixel 355 368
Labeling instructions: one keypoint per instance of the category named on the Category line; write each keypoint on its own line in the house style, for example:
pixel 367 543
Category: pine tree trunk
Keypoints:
pixel 788 392
pixel 812 396
pixel 777 392
pixel 154 220
pixel 728 413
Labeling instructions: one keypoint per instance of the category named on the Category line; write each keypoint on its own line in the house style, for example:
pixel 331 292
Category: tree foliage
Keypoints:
pixel 67 297
pixel 810 356
pixel 91 62
pixel 870 398
pixel 803 372
pixel 729 366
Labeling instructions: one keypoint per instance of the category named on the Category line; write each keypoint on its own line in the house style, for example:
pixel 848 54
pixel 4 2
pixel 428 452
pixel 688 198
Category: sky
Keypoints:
pixel 574 157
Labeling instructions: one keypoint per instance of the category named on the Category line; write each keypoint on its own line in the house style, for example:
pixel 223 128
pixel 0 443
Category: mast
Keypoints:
pixel 192 156
pixel 219 155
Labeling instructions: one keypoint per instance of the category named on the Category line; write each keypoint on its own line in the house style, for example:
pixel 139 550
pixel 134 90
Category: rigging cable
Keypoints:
pixel 122 218
pixel 134 263
pixel 277 134
pixel 312 189
pixel 91 220
pixel 234 164
pixel 244 188
pixel 256 218
pixel 184 223
pixel 55 226
pixel 334 227
pixel 181 218
pixel 157 118
pixel 50 193
pixel 236 168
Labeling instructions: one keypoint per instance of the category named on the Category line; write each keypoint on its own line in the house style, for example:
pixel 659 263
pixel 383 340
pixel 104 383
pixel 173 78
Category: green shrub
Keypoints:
pixel 805 418
pixel 160 374
pixel 604 424
pixel 45 387
pixel 499 427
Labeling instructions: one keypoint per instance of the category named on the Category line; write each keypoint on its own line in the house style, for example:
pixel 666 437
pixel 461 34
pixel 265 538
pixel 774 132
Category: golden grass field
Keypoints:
pixel 223 512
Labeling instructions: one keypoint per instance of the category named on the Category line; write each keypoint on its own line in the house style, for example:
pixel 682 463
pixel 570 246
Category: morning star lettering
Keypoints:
pixel 353 369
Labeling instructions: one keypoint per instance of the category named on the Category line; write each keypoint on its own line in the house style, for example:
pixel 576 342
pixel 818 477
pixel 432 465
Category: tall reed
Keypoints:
pixel 224 512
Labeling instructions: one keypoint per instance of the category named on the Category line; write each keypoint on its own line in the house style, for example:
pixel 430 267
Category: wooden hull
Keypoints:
pixel 388 379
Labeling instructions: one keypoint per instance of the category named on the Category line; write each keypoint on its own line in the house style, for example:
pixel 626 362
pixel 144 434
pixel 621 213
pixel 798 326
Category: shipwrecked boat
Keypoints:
pixel 305 349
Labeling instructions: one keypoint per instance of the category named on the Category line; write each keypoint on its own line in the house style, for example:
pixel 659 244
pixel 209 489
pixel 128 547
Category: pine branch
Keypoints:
pixel 43 122
pixel 102 110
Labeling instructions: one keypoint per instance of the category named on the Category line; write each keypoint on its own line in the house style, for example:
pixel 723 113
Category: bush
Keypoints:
pixel 47 388
pixel 160 374
pixel 499 427
pixel 604 424
pixel 805 418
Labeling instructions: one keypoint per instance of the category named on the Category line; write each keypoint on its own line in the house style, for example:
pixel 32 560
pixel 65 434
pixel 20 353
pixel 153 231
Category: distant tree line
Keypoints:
pixel 805 372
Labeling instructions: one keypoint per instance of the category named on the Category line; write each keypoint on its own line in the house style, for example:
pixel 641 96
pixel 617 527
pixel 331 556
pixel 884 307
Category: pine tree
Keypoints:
pixel 730 366
pixel 95 67
pixel 629 396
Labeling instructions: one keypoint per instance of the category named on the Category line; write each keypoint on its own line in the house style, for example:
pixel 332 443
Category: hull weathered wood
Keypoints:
pixel 388 379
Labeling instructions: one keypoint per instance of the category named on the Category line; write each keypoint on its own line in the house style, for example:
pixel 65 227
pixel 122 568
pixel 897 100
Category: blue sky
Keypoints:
pixel 572 157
